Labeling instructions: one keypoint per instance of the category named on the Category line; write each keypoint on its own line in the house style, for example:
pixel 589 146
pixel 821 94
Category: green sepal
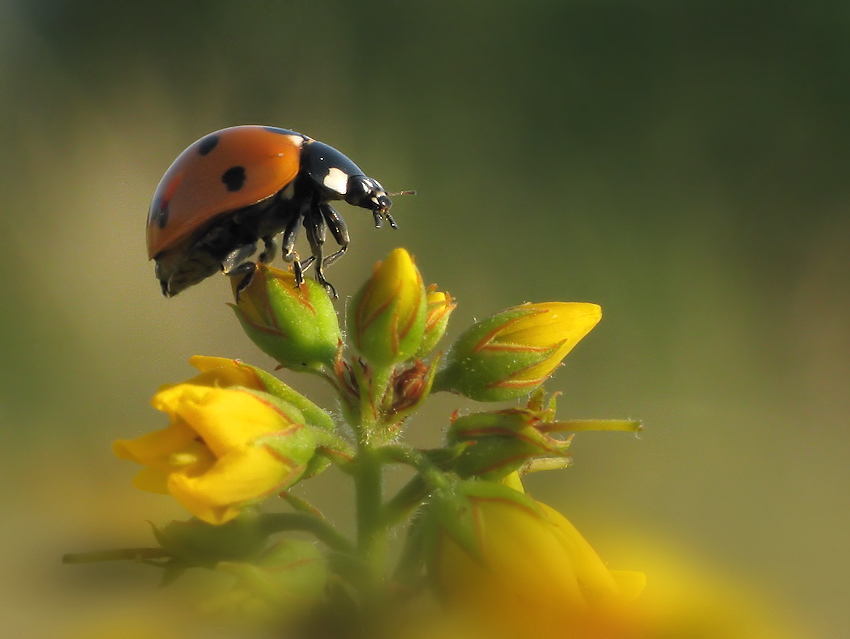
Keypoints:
pixel 313 415
pixel 296 326
pixel 299 445
pixel 449 512
pixel 501 442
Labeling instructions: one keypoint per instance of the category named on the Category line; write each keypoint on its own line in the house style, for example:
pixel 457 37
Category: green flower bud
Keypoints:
pixel 386 319
pixel 297 326
pixel 511 353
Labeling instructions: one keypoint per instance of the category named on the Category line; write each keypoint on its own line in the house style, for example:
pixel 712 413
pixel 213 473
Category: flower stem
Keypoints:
pixel 133 554
pixel 371 524
pixel 318 526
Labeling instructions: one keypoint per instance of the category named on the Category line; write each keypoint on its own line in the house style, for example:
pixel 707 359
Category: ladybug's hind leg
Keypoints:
pixel 237 257
pixel 236 264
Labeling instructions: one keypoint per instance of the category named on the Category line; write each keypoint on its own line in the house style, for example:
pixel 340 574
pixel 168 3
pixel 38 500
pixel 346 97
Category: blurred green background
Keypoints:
pixel 682 164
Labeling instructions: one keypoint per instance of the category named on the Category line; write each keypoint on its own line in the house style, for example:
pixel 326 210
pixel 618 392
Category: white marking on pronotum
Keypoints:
pixel 297 140
pixel 336 180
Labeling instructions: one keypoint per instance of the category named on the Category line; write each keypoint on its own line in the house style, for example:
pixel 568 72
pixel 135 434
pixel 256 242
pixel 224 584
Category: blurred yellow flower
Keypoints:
pixel 536 577
pixel 225 448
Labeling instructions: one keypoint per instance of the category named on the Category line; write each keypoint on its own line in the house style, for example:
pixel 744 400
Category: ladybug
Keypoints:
pixel 243 184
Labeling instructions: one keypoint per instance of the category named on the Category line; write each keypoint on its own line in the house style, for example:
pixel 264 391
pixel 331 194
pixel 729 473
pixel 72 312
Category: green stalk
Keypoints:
pixel 320 527
pixel 372 528
pixel 371 524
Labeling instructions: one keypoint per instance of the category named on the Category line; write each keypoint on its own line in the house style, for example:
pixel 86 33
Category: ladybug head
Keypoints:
pixel 368 193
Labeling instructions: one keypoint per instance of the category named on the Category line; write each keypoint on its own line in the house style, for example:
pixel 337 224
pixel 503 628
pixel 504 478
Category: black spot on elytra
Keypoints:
pixel 207 144
pixel 160 212
pixel 234 178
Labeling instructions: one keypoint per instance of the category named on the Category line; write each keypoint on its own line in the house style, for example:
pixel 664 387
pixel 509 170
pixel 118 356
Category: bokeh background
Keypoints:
pixel 682 164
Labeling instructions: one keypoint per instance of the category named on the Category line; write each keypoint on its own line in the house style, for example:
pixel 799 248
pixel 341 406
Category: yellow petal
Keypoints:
pixel 590 571
pixel 553 323
pixel 528 581
pixel 242 475
pixel 154 448
pixel 630 583
pixel 224 372
pixel 153 480
pixel 225 418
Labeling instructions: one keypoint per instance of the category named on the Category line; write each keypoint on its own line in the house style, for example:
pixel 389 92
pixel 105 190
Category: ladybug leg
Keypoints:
pixel 237 264
pixel 245 271
pixel 287 247
pixel 382 214
pixel 338 229
pixel 237 257
pixel 269 250
pixel 316 233
pixel 390 219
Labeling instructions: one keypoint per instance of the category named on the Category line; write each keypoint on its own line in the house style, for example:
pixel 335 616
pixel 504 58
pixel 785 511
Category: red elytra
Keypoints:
pixel 195 190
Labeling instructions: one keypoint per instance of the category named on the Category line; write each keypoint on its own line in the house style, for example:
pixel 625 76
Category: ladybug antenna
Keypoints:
pixel 402 193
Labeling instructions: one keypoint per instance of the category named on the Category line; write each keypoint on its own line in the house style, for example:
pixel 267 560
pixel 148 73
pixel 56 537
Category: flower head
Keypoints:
pixel 224 449
pixel 511 353
pixel 386 319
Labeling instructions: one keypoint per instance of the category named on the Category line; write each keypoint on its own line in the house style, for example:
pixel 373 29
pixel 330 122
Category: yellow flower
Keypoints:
pixel 225 448
pixel 511 353
pixel 536 575
pixel 386 319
